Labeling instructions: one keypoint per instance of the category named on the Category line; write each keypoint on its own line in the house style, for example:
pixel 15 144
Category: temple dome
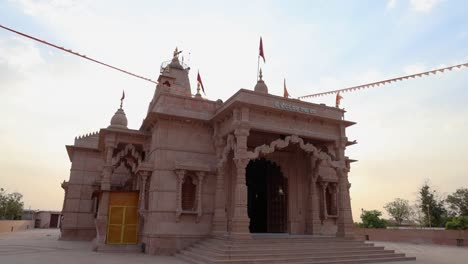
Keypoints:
pixel 119 120
pixel 261 87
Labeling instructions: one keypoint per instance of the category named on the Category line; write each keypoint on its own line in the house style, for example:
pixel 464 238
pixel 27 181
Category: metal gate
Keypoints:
pixel 122 224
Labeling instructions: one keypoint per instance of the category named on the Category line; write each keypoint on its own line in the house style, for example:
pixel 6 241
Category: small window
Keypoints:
pixel 188 194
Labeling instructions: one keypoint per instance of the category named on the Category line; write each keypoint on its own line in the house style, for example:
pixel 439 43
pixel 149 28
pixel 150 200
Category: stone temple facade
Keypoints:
pixel 257 163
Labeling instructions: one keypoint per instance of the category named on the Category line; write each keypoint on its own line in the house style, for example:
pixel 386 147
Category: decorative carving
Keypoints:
pixel 294 139
pixel 131 151
pixel 230 145
pixel 197 183
pixel 180 180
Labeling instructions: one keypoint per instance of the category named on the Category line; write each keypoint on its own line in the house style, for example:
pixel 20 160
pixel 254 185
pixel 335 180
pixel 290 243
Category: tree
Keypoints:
pixel 399 209
pixel 11 206
pixel 371 219
pixel 458 223
pixel 417 215
pixel 458 202
pixel 435 214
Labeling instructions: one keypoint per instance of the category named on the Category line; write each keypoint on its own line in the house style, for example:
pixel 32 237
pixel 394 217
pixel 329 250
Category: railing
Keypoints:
pixel 166 63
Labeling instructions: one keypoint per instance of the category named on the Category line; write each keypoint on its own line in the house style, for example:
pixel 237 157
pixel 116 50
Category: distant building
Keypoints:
pixel 257 163
pixel 47 219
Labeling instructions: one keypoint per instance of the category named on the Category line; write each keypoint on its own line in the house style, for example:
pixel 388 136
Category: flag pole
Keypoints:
pixel 258 66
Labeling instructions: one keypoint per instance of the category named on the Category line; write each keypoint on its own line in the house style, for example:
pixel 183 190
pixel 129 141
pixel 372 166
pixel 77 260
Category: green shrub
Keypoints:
pixel 371 219
pixel 458 223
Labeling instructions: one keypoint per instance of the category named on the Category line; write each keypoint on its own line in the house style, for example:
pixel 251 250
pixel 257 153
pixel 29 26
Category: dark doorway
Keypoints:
pixel 267 197
pixel 53 221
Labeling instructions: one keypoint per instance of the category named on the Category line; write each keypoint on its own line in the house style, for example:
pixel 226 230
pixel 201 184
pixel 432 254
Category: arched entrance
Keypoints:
pixel 267 191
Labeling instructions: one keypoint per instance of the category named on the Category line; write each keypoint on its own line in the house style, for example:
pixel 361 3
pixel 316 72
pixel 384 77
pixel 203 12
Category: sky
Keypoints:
pixel 408 132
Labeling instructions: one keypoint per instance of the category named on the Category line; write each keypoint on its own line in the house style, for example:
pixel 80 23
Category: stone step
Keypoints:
pixel 283 245
pixel 360 261
pixel 189 259
pixel 255 254
pixel 285 240
pixel 298 250
pixel 119 248
pixel 220 250
pixel 287 259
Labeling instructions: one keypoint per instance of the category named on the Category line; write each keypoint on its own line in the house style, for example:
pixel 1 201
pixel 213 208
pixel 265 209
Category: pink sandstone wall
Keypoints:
pixel 78 221
pixel 15 225
pixel 417 236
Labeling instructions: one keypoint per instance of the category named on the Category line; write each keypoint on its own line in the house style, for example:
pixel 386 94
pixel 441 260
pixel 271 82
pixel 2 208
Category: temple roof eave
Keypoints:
pixel 184 111
pixel 104 132
pixel 238 99
pixel 71 150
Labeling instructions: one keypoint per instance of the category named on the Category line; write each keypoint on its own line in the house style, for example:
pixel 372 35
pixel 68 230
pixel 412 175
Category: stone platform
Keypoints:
pixel 288 249
pixel 42 246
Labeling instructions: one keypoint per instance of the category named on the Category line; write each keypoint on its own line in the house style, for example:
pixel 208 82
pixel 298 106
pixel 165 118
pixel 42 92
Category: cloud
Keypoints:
pixel 19 53
pixel 17 57
pixel 414 68
pixel 391 4
pixel 424 6
pixel 49 7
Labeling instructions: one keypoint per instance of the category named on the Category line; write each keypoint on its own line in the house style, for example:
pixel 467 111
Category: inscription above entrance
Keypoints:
pixel 290 107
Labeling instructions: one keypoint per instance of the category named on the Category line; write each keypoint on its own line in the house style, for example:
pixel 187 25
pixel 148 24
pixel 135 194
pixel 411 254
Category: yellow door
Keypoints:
pixel 122 224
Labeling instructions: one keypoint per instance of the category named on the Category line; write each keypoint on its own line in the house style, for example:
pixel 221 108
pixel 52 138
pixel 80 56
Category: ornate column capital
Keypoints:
pixel 180 175
pixel 200 175
pixel 324 185
pixel 241 163
pixel 242 130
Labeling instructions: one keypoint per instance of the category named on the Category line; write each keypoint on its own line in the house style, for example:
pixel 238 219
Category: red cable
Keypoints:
pixel 77 54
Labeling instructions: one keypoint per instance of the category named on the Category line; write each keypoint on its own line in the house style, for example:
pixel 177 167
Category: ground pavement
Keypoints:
pixel 41 246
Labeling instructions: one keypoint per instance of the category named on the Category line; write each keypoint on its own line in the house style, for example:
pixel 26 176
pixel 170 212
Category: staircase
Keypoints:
pixel 287 249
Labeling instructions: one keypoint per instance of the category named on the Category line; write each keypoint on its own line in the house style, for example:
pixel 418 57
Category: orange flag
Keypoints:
pixel 285 91
pixel 338 99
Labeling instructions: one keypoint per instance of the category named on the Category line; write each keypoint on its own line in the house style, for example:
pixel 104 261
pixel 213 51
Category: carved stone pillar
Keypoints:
pixel 345 218
pixel 219 227
pixel 102 214
pixel 220 219
pixel 240 219
pixel 324 200
pixel 101 219
pixel 180 180
pixel 334 204
pixel 143 177
pixel 107 170
pixel 201 176
pixel 314 224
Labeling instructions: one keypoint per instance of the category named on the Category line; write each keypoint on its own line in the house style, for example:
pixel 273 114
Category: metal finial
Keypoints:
pixel 198 89
pixel 121 99
pixel 260 74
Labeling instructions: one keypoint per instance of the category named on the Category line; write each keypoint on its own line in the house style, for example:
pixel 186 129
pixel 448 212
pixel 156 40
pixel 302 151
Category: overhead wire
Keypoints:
pixel 78 54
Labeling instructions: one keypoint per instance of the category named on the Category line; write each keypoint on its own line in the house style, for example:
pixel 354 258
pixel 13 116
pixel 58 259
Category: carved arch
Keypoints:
pixel 293 139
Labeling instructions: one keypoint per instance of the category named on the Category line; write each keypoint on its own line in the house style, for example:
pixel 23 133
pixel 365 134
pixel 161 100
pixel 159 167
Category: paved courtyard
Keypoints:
pixel 42 246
